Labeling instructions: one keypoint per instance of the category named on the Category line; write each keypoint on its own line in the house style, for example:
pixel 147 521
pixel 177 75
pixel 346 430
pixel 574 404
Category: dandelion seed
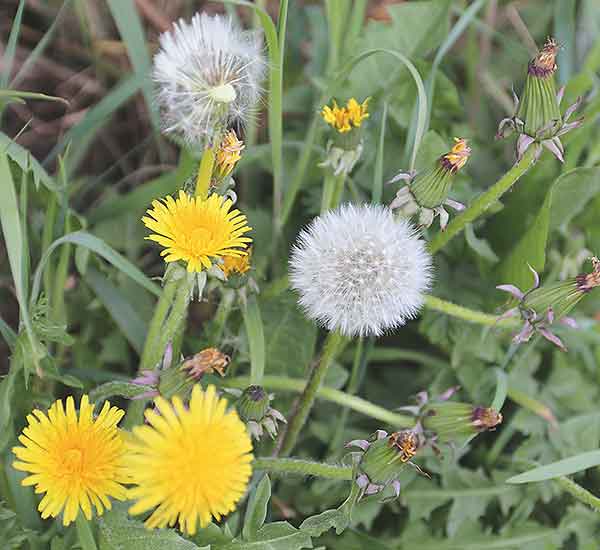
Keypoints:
pixel 76 460
pixel 359 271
pixel 189 464
pixel 197 230
pixel 208 74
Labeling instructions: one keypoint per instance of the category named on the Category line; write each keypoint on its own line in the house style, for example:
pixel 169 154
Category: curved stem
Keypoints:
pixel 303 468
pixel 283 383
pixel 207 163
pixel 158 318
pixel 577 491
pixel 460 312
pixel 483 201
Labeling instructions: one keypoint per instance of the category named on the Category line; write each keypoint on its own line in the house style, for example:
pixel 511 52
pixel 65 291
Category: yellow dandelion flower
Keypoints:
pixel 228 155
pixel 343 119
pixel 458 155
pixel 189 463
pixel 239 265
pixel 75 461
pixel 197 230
pixel 357 112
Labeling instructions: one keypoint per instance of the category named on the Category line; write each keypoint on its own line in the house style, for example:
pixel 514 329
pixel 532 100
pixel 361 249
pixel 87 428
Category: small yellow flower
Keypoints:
pixel 189 464
pixel 458 155
pixel 343 119
pixel 75 461
pixel 228 155
pixel 197 230
pixel 239 265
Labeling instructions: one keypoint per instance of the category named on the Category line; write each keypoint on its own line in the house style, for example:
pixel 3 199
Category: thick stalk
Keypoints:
pixel 283 383
pixel 483 201
pixel 332 347
pixel 207 163
pixel 577 491
pixel 471 315
pixel 303 468
pixel 256 339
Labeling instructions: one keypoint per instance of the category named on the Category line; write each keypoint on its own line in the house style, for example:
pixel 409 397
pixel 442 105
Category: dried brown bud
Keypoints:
pixel 207 361
pixel 544 63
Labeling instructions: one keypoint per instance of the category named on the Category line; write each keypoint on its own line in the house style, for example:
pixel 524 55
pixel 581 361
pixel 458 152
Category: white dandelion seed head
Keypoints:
pixel 208 74
pixel 360 271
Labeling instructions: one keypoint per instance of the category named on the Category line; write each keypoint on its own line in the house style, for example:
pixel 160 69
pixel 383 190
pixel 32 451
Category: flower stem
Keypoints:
pixel 483 201
pixel 333 187
pixel 460 312
pixel 577 491
pixel 333 345
pixel 283 383
pixel 207 163
pixel 84 533
pixel 303 468
pixel 256 339
pixel 160 312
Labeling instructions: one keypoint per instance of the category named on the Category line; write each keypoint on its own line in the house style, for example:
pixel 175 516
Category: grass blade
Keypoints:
pixel 11 46
pixel 256 339
pixel 560 468
pixel 378 174
pixel 93 243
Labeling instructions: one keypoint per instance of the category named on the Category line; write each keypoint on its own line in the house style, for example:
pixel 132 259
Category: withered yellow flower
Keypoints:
pixel 189 464
pixel 197 230
pixel 77 461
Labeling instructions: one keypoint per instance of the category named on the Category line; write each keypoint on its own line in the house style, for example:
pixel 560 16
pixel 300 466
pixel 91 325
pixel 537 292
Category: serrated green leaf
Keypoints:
pixel 256 512
pixel 571 193
pixel 315 526
pixel 273 536
pixel 120 388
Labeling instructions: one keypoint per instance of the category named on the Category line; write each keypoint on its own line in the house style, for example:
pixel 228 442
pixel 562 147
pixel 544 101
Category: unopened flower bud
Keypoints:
pixel 254 408
pixel 426 193
pixel 450 420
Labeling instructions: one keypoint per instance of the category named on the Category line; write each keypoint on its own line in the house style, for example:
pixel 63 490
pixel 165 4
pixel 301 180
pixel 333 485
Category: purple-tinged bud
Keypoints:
pixel 254 408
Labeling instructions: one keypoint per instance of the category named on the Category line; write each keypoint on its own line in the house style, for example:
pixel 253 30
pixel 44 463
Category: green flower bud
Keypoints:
pixel 254 408
pixel 450 420
pixel 539 107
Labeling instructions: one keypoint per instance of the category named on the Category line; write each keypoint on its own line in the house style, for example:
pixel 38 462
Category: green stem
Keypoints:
pixel 577 491
pixel 483 201
pixel 303 468
pixel 221 316
pixel 207 163
pixel 471 315
pixel 158 318
pixel 256 339
pixel 84 533
pixel 333 345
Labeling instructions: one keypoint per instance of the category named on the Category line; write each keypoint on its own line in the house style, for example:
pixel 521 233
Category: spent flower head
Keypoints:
pixel 228 155
pixel 197 231
pixel 425 194
pixel 208 74
pixel 76 460
pixel 538 120
pixel 190 463
pixel 359 271
pixel 382 459
pixel 541 306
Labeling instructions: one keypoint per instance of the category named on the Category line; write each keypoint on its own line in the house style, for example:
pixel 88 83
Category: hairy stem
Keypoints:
pixel 303 468
pixel 483 202
pixel 460 312
pixel 577 491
